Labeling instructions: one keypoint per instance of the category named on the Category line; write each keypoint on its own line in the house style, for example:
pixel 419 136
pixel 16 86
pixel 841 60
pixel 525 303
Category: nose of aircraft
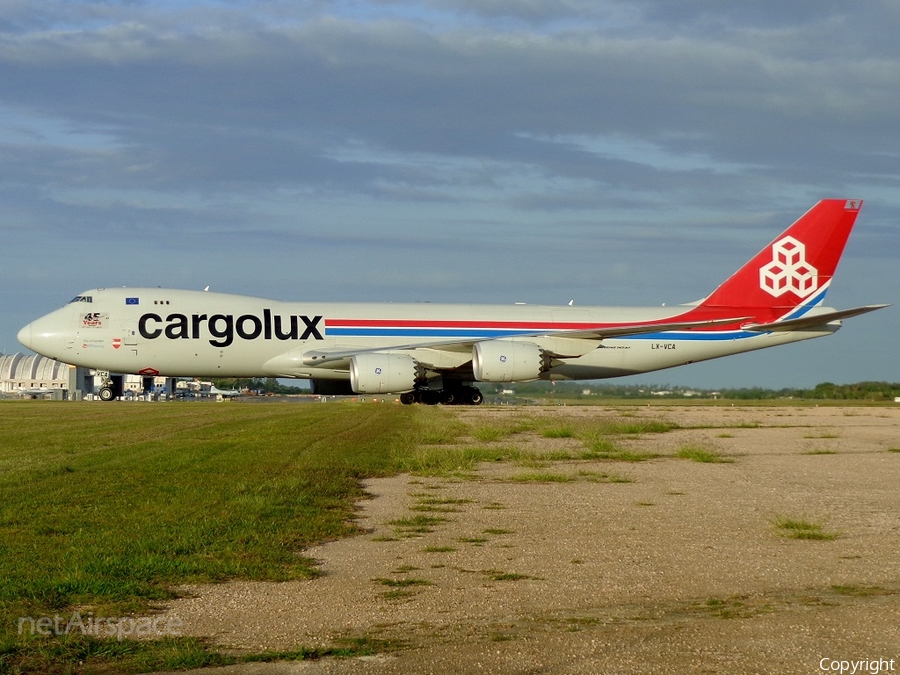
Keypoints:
pixel 46 335
pixel 24 336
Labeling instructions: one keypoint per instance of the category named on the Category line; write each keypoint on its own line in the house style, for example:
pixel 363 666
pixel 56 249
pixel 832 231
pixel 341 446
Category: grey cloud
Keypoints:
pixel 288 94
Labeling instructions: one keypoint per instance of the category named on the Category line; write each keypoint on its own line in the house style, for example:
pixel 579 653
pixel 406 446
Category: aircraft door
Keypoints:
pixel 128 342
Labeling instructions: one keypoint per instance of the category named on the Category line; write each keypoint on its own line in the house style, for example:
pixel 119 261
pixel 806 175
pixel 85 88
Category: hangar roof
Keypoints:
pixel 31 367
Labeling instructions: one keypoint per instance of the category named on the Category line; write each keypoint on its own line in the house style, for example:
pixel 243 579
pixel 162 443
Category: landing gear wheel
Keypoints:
pixel 106 394
pixel 475 397
pixel 408 398
pixel 429 397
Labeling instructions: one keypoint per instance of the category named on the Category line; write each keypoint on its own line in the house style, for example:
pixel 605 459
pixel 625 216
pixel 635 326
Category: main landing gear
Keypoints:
pixel 456 396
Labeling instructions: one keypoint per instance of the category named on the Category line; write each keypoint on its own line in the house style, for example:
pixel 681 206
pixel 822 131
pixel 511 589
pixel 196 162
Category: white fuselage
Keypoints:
pixel 194 333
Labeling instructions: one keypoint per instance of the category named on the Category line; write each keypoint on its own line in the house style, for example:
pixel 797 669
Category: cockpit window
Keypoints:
pixel 81 298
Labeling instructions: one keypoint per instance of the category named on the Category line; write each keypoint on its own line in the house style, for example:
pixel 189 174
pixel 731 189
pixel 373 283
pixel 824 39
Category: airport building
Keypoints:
pixel 35 375
pixel 19 372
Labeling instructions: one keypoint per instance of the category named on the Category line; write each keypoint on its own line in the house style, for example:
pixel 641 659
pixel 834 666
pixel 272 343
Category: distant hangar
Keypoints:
pixel 22 372
pixel 34 375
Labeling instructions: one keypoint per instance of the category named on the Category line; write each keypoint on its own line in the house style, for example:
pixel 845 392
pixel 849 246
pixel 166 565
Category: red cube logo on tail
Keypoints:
pixel 788 270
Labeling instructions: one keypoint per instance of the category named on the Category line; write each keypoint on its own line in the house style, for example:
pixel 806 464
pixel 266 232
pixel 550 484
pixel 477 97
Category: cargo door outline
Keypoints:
pixel 130 337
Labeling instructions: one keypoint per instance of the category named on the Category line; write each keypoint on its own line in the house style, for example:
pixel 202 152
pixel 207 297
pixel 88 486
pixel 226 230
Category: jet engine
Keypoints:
pixel 382 373
pixel 506 361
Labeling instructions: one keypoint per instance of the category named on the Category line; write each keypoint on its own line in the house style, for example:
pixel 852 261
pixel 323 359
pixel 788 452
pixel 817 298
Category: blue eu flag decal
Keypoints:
pixel 132 301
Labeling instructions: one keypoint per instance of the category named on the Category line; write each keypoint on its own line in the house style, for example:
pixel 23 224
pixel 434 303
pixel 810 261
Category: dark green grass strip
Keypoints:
pixel 111 506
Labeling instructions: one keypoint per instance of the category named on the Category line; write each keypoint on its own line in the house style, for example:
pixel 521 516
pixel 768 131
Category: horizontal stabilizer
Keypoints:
pixel 812 320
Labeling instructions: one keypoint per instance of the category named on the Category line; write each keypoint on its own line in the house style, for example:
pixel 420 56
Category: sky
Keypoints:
pixel 610 152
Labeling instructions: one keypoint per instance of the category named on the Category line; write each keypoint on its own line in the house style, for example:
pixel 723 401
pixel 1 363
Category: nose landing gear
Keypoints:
pixel 113 386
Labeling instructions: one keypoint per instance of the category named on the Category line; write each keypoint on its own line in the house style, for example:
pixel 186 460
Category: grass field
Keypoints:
pixel 105 508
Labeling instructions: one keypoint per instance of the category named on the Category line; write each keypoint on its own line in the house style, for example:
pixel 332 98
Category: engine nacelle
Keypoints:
pixel 506 361
pixel 382 373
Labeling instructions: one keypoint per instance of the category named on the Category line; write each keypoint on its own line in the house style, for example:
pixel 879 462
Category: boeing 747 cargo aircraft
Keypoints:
pixel 437 353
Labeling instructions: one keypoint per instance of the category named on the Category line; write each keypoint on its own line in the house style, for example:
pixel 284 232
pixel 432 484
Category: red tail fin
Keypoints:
pixel 797 267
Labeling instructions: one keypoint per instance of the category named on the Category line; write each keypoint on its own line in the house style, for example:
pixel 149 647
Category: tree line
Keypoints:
pixel 859 391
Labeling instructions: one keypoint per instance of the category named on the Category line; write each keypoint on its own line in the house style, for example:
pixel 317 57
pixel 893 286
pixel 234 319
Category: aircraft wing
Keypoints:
pixel 640 329
pixel 812 320
pixel 565 343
